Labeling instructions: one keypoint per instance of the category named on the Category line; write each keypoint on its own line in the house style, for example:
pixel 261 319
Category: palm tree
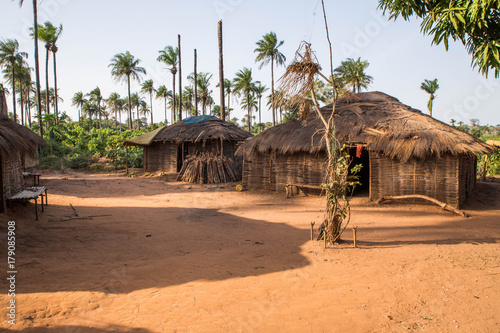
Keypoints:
pixel 9 56
pixel 137 101
pixel 163 92
pixel 188 99
pixel 202 85
pixel 170 57
pixel 89 109
pixel 228 86
pixel 46 33
pixel 148 88
pixel 267 51
pixel 96 98
pixel 250 104
pixel 430 87
pixel 125 67
pixel 245 87
pixel 54 50
pixel 352 74
pixel 114 102
pixel 78 100
pixel 37 65
pixel 259 90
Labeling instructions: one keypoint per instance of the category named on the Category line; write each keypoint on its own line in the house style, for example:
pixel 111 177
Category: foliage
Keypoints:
pixel 430 87
pixel 476 23
pixel 351 73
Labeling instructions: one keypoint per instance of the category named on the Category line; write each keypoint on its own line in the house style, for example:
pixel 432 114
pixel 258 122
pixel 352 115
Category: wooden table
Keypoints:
pixel 36 177
pixel 31 193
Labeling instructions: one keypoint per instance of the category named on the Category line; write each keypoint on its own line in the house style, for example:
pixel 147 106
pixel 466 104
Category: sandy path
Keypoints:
pixel 175 257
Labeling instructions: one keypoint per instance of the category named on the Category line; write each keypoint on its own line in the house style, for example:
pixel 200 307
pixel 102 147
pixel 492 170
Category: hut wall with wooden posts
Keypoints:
pixel 16 143
pixel 166 148
pixel 403 151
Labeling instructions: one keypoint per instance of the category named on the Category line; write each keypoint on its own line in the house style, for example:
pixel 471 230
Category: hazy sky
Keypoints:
pixel 400 56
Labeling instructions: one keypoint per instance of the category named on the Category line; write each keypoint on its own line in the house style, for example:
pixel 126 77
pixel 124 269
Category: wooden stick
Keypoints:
pixel 312 230
pixel 324 237
pixel 443 205
pixel 74 210
pixel 354 231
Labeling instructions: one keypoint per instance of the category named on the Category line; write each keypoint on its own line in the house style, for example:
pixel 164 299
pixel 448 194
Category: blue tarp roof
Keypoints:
pixel 197 119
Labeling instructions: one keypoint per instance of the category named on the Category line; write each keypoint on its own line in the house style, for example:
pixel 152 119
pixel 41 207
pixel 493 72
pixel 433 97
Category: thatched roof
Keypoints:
pixel 193 129
pixel 374 119
pixel 15 138
pixel 3 102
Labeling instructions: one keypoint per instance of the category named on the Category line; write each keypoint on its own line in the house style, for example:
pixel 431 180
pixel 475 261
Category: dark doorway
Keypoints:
pixel 364 174
pixel 182 152
pixel 2 198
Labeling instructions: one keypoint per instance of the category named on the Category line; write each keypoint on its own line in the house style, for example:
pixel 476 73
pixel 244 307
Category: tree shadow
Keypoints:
pixel 133 248
pixel 82 329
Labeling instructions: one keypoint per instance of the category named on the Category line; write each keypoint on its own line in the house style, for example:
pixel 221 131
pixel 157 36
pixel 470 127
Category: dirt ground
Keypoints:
pixel 166 256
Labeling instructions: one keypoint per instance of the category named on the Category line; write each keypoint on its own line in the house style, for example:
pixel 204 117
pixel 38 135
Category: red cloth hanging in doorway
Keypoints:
pixel 359 149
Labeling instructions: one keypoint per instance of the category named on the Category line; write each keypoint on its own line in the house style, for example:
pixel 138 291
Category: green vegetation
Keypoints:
pixel 430 87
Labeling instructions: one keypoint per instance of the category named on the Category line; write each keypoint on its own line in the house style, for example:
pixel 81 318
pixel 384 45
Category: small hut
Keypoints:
pixel 166 148
pixel 402 150
pixel 17 143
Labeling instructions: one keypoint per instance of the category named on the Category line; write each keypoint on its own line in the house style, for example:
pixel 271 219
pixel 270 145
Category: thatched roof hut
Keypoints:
pixel 400 145
pixel 167 147
pixel 16 143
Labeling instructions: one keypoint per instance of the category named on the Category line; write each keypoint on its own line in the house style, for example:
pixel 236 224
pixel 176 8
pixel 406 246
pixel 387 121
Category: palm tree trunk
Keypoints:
pixel 37 67
pixel 221 73
pixel 22 100
pixel 180 78
pixel 55 88
pixel 228 108
pixel 129 106
pixel 249 120
pixel 14 92
pixel 272 91
pixel 47 102
pixel 151 103
pixel 173 101
pixel 138 119
pixel 165 101
pixel 195 83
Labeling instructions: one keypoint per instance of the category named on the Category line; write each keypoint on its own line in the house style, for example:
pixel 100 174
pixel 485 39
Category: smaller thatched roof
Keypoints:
pixel 193 129
pixel 15 138
pixel 374 119
pixel 145 139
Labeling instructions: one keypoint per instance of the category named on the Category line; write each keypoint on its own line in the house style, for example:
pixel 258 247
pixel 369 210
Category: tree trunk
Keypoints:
pixel 195 83
pixel 165 101
pixel 221 73
pixel 22 100
pixel 129 106
pixel 37 68
pixel 151 103
pixel 55 89
pixel 14 92
pixel 249 120
pixel 47 103
pixel 228 107
pixel 180 78
pixel 138 119
pixel 174 118
pixel 272 91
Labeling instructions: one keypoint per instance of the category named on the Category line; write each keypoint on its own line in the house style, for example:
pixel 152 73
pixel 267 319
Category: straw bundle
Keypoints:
pixel 208 168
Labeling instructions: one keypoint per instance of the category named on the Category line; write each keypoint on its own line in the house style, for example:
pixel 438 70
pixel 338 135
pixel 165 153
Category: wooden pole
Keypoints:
pixel 312 230
pixel 354 231
pixel 195 83
pixel 221 73
pixel 485 167
pixel 180 78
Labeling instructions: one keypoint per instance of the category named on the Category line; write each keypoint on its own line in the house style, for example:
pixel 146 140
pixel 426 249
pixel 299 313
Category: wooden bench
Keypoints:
pixel 291 188
pixel 31 193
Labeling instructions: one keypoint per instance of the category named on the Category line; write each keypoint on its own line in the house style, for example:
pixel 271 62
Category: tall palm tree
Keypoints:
pixel 88 110
pixel 54 50
pixel 267 51
pixel 259 90
pixel 170 57
pixel 47 33
pixel 148 88
pixel 163 92
pixel 244 86
pixel 9 56
pixel 188 100
pixel 114 102
pixel 430 87
pixel 96 98
pixel 125 67
pixel 228 86
pixel 78 100
pixel 37 65
pixel 352 74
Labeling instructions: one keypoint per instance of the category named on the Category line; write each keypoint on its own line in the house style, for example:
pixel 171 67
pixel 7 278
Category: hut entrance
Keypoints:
pixel 361 156
pixel 182 152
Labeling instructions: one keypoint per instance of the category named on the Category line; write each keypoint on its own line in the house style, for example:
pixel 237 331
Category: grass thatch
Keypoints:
pixel 375 119
pixel 209 129
pixel 15 138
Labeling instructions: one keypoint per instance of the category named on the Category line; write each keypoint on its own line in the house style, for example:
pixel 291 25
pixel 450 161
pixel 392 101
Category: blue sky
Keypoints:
pixel 400 56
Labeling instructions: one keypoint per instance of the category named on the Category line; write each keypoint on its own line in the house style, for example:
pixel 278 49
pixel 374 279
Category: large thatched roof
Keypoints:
pixel 375 119
pixel 15 138
pixel 193 129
